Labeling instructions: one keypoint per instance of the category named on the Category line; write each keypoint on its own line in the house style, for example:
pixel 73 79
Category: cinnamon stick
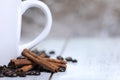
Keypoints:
pixel 25 68
pixel 43 57
pixel 46 65
pixel 20 62
pixel 28 65
pixel 25 61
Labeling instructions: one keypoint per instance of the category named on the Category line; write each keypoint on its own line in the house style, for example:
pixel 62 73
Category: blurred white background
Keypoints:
pixel 76 18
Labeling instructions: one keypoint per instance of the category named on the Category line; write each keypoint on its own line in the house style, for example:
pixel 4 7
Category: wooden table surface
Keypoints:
pixel 98 59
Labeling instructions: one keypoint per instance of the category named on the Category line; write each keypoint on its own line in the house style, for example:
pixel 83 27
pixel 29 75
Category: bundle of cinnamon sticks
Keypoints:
pixel 31 60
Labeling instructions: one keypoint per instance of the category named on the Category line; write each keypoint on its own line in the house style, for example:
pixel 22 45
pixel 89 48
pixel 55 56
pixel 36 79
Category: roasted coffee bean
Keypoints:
pixel 21 74
pixel 8 73
pixel 21 57
pixel 4 66
pixel 37 73
pixel 39 52
pixel 35 51
pixel 74 61
pixel 60 58
pixel 11 66
pixel 52 52
pixel 68 59
pixel 28 73
pixel 1 75
pixel 47 56
pixel 14 75
pixel 1 67
pixel 32 73
pixel 42 51
pixel 62 69
pixel 5 69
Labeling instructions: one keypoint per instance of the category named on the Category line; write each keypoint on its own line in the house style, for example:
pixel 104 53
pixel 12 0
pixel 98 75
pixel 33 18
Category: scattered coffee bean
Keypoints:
pixel 21 74
pixel 4 66
pixel 62 69
pixel 1 67
pixel 52 52
pixel 14 75
pixel 33 72
pixel 21 57
pixel 47 56
pixel 39 52
pixel 5 69
pixel 68 59
pixel 37 73
pixel 60 58
pixel 28 73
pixel 35 51
pixel 42 51
pixel 8 73
pixel 1 75
pixel 74 61
pixel 11 66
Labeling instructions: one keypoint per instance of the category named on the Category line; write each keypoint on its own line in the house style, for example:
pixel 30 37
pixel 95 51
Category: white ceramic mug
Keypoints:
pixel 10 27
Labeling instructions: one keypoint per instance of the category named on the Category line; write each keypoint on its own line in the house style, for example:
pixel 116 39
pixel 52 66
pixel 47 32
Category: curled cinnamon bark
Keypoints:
pixel 49 66
pixel 31 60
pixel 25 61
pixel 25 68
pixel 20 62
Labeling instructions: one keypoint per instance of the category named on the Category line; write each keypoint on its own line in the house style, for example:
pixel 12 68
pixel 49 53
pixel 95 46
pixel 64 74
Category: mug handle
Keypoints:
pixel 46 30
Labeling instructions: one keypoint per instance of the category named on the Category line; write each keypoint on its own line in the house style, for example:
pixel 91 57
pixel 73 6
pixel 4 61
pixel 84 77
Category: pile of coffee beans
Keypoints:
pixel 9 71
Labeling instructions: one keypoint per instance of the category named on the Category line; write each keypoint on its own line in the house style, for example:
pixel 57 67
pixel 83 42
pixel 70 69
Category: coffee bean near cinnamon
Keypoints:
pixel 60 58
pixel 24 65
pixel 52 52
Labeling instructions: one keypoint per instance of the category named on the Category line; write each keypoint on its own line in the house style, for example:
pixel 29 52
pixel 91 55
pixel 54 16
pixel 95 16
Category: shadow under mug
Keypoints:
pixel 10 27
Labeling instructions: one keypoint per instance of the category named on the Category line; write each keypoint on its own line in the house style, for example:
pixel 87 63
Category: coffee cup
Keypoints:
pixel 10 27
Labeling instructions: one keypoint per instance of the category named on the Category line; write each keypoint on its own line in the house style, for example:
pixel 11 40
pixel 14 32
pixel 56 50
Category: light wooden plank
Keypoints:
pixel 98 59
